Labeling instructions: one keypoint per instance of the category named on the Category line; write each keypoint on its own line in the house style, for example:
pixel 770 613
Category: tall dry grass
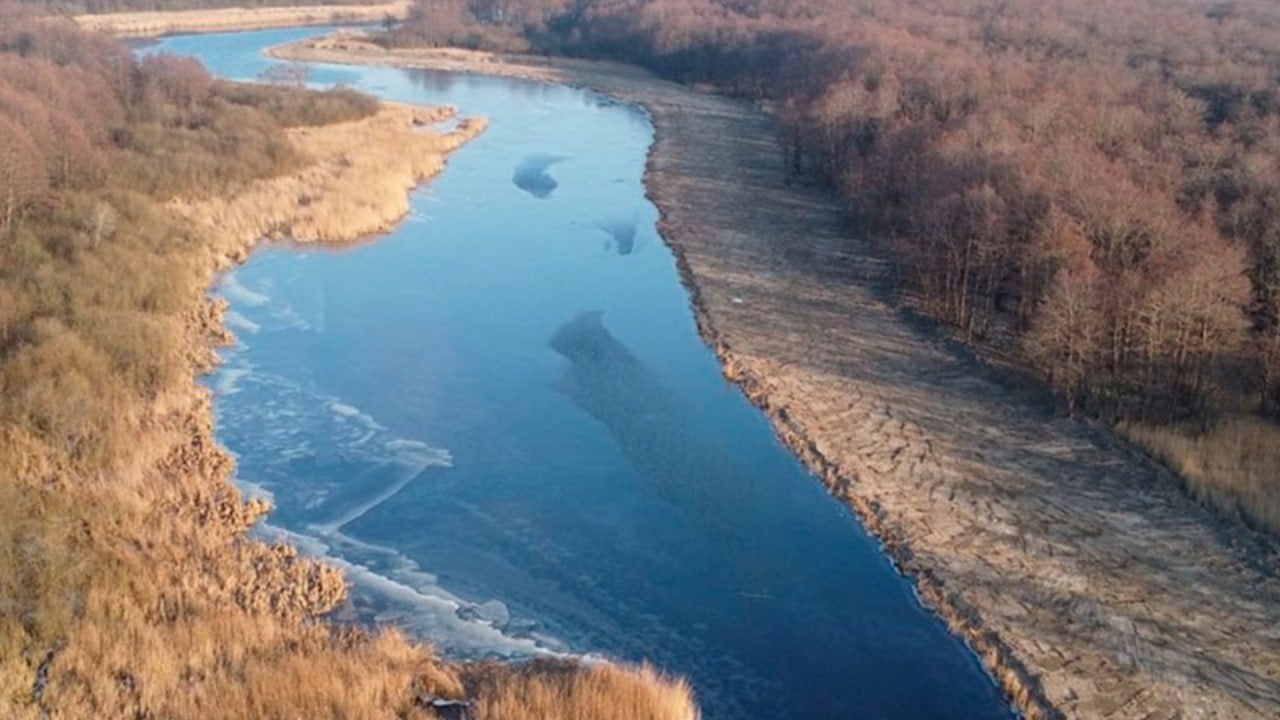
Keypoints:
pixel 1233 467
pixel 567 691
pixel 156 23
pixel 340 194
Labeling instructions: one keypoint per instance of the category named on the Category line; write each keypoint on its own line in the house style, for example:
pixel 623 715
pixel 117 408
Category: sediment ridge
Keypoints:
pixel 1087 581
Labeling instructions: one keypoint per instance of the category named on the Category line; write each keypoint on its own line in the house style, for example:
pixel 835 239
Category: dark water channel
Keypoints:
pixel 501 421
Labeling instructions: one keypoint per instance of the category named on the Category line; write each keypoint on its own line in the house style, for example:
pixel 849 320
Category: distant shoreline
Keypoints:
pixel 1051 547
pixel 160 23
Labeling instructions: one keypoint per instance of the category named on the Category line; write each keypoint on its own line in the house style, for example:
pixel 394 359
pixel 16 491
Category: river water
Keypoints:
pixel 501 421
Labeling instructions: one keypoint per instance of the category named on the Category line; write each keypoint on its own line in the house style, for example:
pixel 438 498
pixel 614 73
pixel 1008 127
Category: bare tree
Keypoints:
pixel 1066 339
pixel 23 176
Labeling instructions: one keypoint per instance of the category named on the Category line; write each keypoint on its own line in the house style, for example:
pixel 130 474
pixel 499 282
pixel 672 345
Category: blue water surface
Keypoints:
pixel 501 421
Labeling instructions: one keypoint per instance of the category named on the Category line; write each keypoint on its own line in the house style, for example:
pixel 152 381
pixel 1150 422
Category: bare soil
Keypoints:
pixel 1088 581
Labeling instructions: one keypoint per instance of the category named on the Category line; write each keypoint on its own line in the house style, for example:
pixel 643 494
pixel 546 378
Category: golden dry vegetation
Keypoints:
pixel 129 587
pixel 153 23
pixel 339 194
pixel 564 691
pixel 1232 466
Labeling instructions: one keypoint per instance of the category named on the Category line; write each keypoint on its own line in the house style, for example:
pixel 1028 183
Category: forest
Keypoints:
pixel 129 586
pixel 1089 188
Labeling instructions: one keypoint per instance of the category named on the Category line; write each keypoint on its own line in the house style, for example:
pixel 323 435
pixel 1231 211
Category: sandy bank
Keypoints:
pixel 1088 582
pixel 155 24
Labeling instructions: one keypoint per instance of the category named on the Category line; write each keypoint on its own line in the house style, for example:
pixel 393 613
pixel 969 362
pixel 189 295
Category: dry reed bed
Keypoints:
pixel 158 23
pixel 558 691
pixel 1233 467
pixel 356 182
pixel 1087 581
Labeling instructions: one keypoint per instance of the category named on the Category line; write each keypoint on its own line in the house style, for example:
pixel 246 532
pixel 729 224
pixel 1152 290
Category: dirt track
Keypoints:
pixel 1090 583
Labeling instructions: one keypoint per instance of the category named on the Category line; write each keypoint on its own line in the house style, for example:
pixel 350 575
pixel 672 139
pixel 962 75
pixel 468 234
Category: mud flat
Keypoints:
pixel 1090 584
pixel 155 24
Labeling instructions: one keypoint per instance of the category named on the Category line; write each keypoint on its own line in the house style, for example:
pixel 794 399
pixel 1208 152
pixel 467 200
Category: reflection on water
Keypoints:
pixel 622 234
pixel 532 177
pixel 655 432
pixel 515 443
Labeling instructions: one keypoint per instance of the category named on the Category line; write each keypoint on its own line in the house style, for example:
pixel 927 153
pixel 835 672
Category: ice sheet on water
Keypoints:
pixel 226 381
pixel 398 592
pixel 326 460
pixel 240 323
pixel 230 288
pixel 416 451
pixel 325 463
pixel 254 491
pixel 255 310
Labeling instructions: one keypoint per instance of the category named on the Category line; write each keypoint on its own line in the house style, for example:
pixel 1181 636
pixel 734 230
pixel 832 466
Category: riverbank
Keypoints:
pixel 157 23
pixel 340 196
pixel 130 583
pixel 1088 582
pixel 131 586
pixel 355 185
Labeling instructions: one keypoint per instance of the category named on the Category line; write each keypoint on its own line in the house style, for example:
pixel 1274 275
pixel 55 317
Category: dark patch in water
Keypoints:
pixel 655 431
pixel 622 234
pixel 532 177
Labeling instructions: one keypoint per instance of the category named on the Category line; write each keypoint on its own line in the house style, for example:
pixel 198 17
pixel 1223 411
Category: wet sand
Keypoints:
pixel 1090 584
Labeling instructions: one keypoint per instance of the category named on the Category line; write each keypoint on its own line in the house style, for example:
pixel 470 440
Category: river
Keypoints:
pixel 501 421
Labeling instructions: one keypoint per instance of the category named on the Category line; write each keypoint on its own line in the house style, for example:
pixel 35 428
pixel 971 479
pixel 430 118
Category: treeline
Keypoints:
pixel 1092 185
